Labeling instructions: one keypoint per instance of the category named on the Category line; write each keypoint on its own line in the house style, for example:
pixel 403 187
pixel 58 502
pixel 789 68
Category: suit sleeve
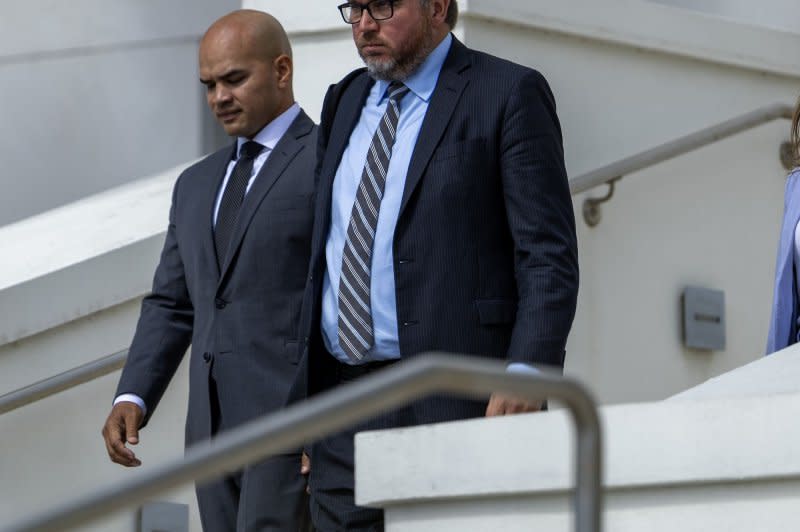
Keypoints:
pixel 542 223
pixel 164 330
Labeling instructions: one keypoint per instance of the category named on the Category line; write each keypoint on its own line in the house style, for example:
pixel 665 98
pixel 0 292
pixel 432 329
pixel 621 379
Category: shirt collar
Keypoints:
pixel 423 81
pixel 272 132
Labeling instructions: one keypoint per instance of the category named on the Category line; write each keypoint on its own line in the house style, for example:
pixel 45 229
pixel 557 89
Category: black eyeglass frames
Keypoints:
pixel 377 9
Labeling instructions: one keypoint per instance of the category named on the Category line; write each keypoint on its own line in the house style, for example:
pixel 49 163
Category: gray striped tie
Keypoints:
pixel 355 316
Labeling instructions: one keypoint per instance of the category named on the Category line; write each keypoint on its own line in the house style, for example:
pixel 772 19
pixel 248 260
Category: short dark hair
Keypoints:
pixel 796 135
pixel 452 12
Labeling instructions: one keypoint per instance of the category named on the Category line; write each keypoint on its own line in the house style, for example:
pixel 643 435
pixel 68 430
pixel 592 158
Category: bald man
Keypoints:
pixel 231 277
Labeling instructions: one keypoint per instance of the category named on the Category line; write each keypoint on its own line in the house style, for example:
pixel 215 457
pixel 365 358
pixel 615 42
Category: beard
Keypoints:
pixel 405 61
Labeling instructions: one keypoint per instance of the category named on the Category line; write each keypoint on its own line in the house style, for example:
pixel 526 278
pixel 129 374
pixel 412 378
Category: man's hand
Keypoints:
pixel 122 426
pixel 305 469
pixel 504 405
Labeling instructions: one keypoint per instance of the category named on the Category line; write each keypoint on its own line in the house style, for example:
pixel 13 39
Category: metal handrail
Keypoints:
pixel 342 407
pixel 62 381
pixel 610 173
pixel 679 146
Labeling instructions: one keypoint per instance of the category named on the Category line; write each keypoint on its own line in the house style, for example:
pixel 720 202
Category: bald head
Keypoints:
pixel 257 29
pixel 246 66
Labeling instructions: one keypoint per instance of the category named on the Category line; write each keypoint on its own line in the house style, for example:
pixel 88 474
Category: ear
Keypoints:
pixel 439 10
pixel 283 67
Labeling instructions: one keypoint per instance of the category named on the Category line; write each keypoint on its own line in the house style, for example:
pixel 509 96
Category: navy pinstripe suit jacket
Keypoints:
pixel 485 253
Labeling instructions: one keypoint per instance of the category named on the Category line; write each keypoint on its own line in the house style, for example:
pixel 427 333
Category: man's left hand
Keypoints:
pixel 504 405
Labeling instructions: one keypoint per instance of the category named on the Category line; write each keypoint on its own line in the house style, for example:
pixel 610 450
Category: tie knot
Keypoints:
pixel 397 90
pixel 250 150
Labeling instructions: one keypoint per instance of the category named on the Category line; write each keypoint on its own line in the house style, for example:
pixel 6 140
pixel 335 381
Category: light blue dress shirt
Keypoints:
pixel 383 303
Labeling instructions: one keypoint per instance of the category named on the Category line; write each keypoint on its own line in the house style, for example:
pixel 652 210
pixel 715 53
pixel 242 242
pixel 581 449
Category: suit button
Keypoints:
pixel 220 303
pixel 311 277
pixel 207 357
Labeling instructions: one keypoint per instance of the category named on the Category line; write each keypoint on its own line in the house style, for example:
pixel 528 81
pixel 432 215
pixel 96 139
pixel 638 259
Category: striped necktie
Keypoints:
pixel 355 315
pixel 233 197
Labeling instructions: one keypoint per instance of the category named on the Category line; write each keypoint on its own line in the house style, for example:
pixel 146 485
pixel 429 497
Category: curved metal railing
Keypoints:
pixel 613 172
pixel 344 406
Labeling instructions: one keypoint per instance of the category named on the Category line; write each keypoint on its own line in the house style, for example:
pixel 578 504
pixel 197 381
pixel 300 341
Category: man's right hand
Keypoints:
pixel 122 426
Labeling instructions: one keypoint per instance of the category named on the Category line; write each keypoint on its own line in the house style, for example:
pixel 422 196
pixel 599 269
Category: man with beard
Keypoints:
pixel 443 222
pixel 231 277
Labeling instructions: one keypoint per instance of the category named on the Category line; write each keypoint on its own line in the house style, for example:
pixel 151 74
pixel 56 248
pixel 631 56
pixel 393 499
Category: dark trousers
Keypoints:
pixel 333 507
pixel 269 496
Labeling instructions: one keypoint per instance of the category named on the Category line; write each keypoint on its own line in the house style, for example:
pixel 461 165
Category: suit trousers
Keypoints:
pixel 269 496
pixel 332 504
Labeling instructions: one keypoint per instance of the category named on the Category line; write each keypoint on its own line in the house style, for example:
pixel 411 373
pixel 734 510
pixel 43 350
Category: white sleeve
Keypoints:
pixel 520 367
pixel 132 398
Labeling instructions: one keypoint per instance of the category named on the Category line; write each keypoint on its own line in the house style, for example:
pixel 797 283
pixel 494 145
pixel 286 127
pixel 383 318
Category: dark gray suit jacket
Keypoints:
pixel 243 319
pixel 485 252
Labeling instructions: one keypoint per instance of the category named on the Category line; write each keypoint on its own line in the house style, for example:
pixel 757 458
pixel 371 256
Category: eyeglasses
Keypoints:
pixel 377 9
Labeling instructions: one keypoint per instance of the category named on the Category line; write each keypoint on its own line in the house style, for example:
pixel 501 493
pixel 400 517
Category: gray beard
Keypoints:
pixel 394 70
pixel 386 70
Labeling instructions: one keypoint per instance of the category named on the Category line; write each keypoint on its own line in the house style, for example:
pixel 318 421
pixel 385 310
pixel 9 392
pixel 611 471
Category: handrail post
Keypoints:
pixel 588 472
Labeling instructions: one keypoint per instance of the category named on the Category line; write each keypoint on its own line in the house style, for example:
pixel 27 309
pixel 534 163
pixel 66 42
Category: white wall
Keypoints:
pixel 94 94
pixel 779 14
pixel 53 450
pixel 71 296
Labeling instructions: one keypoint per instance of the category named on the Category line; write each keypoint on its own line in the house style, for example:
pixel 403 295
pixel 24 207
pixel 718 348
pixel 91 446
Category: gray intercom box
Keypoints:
pixel 703 318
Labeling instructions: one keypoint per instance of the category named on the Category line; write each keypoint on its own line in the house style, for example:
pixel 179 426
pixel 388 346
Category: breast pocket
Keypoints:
pixel 455 169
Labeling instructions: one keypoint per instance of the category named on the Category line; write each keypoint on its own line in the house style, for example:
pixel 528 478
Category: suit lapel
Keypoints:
pixel 348 111
pixel 218 167
pixel 440 109
pixel 285 150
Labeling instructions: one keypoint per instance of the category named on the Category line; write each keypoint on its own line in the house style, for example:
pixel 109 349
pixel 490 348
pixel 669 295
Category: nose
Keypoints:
pixel 219 95
pixel 367 23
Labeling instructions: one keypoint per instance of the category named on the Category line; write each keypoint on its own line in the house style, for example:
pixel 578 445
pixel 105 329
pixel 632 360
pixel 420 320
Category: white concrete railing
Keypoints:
pixel 81 258
pixel 713 459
